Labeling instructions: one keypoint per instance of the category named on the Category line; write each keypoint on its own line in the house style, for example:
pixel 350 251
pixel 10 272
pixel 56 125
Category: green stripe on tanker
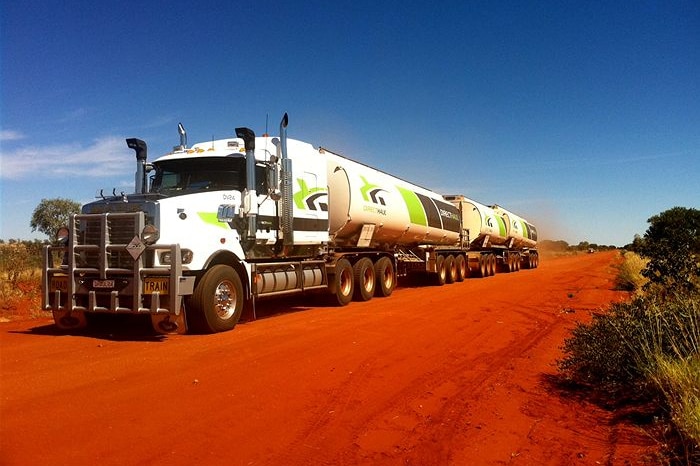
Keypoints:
pixel 502 228
pixel 415 208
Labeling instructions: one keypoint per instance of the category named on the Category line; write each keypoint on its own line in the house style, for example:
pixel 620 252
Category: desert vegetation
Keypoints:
pixel 647 351
pixel 561 247
pixel 629 272
pixel 20 273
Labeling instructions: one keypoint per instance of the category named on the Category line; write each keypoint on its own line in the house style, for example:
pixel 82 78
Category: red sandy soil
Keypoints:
pixel 454 375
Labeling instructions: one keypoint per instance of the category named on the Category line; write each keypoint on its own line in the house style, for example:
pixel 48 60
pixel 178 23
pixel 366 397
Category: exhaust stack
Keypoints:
pixel 183 136
pixel 141 150
pixel 286 187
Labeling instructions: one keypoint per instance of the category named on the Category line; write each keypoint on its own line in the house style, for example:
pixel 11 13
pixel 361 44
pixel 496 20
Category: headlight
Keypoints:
pixel 185 257
pixel 150 234
pixel 62 236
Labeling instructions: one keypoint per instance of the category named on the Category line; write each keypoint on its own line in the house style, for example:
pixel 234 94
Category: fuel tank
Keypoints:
pixel 485 227
pixel 370 208
pixel 520 231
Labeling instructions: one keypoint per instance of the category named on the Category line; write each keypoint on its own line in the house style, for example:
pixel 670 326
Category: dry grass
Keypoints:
pixel 629 273
pixel 20 274
pixel 680 382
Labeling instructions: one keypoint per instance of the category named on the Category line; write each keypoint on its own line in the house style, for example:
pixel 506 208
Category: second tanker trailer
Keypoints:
pixel 225 222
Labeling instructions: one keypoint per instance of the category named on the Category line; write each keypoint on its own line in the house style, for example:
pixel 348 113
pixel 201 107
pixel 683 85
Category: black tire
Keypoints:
pixel 492 261
pixel 386 277
pixel 217 302
pixel 342 283
pixel 365 279
pixel 450 269
pixel 461 266
pixel 483 266
pixel 441 271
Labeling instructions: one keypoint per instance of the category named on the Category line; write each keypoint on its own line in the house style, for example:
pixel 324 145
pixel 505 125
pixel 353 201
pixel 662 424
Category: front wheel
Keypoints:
pixel 217 302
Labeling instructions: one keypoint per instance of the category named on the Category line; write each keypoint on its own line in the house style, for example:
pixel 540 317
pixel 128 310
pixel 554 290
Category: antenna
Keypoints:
pixel 267 119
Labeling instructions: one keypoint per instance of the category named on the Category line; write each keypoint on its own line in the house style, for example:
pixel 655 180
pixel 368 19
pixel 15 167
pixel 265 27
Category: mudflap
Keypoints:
pixel 67 320
pixel 169 324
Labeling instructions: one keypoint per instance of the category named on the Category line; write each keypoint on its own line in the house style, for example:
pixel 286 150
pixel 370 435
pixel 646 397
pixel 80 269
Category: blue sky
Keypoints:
pixel 582 117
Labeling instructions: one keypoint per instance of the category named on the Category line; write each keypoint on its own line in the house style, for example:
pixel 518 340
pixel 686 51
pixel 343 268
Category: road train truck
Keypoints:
pixel 213 227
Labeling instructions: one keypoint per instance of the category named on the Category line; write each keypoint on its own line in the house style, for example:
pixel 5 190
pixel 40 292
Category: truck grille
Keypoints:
pixel 105 236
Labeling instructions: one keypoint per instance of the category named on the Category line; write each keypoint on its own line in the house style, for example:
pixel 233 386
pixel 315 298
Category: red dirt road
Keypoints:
pixel 456 375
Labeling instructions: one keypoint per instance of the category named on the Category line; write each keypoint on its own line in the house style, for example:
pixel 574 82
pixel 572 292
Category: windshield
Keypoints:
pixel 185 176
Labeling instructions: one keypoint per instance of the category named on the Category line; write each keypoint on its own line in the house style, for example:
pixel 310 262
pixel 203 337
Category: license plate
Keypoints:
pixel 59 283
pixel 103 283
pixel 159 284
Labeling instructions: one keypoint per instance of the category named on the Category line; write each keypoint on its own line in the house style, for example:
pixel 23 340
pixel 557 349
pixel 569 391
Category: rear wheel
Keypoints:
pixel 492 261
pixel 386 276
pixel 217 301
pixel 483 266
pixel 461 265
pixel 441 275
pixel 342 282
pixel 451 269
pixel 365 279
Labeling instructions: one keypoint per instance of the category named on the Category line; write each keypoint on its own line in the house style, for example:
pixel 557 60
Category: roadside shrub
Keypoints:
pixel 14 262
pixel 679 381
pixel 646 349
pixel 629 272
pixel 618 348
pixel 595 354
pixel 19 273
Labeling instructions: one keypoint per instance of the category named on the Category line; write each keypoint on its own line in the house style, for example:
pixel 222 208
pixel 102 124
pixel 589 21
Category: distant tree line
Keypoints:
pixel 562 246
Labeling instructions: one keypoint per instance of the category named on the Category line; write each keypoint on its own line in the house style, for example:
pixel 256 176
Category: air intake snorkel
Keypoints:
pixel 141 150
pixel 250 197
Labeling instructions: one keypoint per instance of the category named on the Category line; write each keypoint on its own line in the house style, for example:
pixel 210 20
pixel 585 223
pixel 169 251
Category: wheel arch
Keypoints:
pixel 223 257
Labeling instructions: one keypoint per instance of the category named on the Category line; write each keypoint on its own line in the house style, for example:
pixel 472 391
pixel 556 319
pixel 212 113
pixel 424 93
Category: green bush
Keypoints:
pixel 648 348
pixel 617 349
pixel 595 354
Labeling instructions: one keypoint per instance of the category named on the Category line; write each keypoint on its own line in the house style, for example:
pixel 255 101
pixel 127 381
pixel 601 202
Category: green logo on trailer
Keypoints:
pixel 309 198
